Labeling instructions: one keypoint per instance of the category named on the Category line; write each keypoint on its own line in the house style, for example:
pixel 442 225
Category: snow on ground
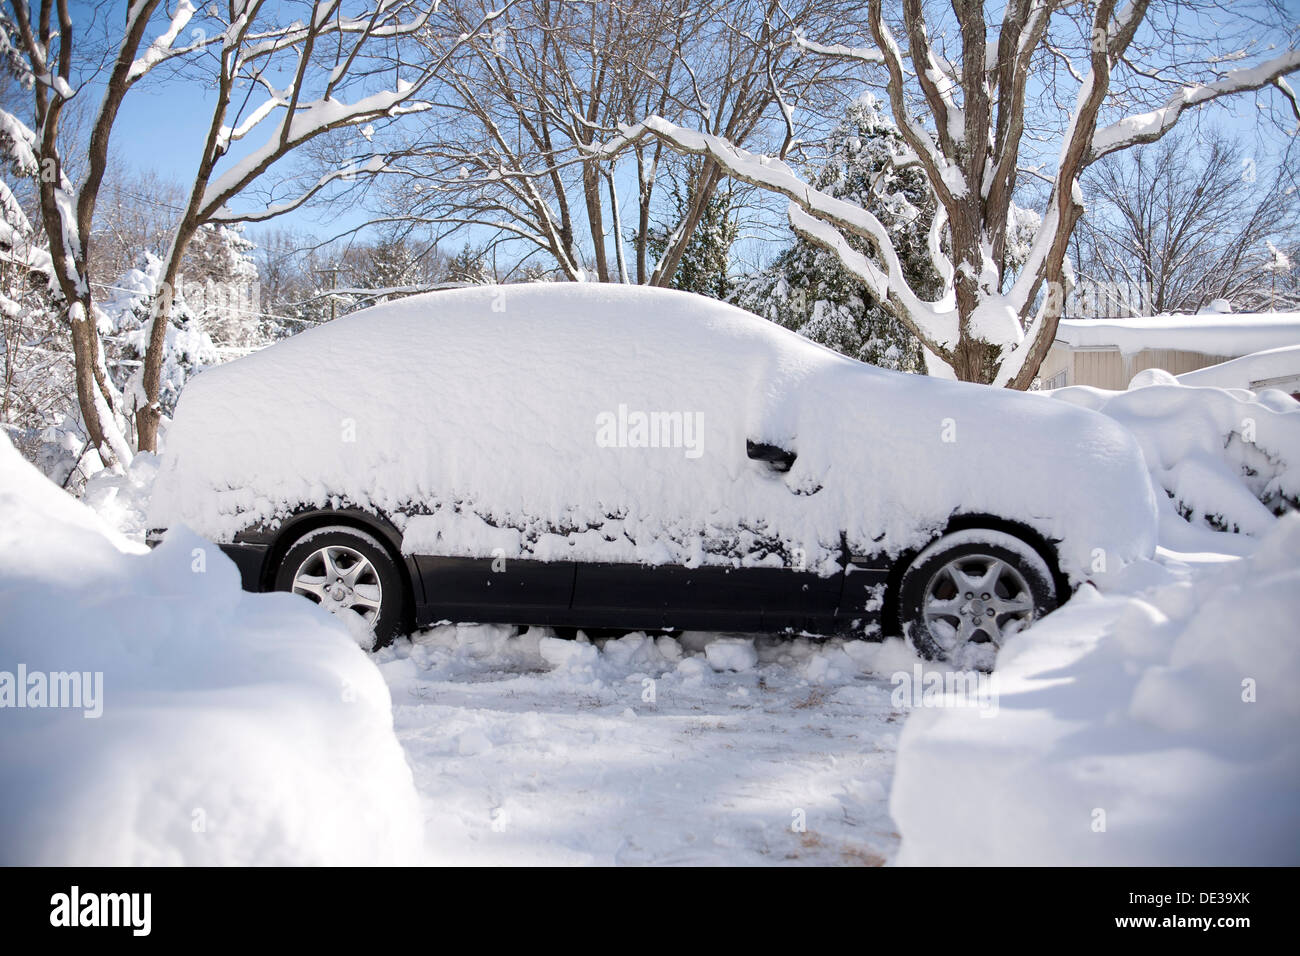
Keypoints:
pixel 1146 729
pixel 122 500
pixel 199 724
pixel 531 749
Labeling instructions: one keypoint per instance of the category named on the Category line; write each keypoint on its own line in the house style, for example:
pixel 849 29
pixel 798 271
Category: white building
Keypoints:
pixel 1107 353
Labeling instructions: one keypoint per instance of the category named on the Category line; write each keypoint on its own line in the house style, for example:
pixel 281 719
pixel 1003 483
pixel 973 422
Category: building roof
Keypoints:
pixel 1213 334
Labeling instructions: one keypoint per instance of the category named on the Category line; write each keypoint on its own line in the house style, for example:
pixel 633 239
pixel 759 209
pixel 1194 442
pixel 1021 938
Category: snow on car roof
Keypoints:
pixel 1215 334
pixel 573 421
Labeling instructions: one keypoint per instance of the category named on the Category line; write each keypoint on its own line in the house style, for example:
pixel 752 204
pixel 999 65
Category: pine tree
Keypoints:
pixel 705 265
pixel 124 323
pixel 220 285
pixel 470 265
pixel 392 265
pixel 807 290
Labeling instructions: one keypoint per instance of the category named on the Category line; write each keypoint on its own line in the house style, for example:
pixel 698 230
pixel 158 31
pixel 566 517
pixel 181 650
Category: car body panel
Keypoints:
pixel 494 590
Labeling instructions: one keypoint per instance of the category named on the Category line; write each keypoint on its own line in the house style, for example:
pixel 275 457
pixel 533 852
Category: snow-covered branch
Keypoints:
pixel 161 48
pixel 863 54
pixel 813 213
pixel 294 123
pixel 1148 127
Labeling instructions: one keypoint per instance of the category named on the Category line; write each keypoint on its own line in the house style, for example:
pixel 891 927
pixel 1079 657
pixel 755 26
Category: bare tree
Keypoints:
pixel 328 58
pixel 1188 224
pixel 136 214
pixel 42 43
pixel 510 147
pixel 295 71
pixel 1059 86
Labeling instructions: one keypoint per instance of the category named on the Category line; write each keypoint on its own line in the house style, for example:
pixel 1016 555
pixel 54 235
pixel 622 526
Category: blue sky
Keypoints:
pixel 162 127
pixel 163 123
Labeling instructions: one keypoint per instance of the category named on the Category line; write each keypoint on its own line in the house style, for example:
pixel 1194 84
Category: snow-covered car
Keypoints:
pixel 606 456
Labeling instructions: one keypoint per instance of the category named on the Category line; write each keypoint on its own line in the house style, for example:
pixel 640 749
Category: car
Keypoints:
pixel 583 455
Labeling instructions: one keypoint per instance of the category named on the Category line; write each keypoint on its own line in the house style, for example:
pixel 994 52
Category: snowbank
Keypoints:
pixel 1278 366
pixel 122 500
pixel 506 418
pixel 210 726
pixel 1211 334
pixel 1150 730
pixel 1228 459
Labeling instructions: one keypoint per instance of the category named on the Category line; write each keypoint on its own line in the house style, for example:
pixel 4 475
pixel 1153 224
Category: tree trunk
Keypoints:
pixel 93 392
pixel 595 217
pixel 706 183
pixel 149 417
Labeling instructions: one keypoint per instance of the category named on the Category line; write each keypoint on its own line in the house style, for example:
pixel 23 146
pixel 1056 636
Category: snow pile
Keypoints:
pixel 605 423
pixel 207 726
pixel 1280 365
pixel 1228 459
pixel 463 651
pixel 731 654
pixel 1149 730
pixel 122 500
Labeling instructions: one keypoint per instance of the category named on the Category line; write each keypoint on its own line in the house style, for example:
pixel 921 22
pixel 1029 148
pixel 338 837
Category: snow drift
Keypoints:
pixel 1228 459
pixel 1156 729
pixel 480 411
pixel 232 728
pixel 1280 367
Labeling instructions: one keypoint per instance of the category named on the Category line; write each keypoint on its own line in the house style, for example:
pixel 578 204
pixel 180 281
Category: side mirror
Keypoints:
pixel 779 458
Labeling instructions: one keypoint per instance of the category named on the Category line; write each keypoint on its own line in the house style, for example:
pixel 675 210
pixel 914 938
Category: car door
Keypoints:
pixel 495 589
pixel 727 574
pixel 592 464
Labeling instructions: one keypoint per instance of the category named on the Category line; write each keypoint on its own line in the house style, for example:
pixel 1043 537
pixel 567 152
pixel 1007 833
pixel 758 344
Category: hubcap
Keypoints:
pixel 342 580
pixel 976 599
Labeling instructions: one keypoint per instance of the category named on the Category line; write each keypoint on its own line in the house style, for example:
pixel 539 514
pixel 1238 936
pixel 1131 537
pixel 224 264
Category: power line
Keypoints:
pixel 153 200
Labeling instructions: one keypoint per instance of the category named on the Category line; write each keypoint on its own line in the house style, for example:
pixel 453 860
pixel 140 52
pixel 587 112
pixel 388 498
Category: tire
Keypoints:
pixel 942 608
pixel 369 591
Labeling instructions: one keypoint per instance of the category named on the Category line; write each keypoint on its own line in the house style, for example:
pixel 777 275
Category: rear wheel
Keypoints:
pixel 968 592
pixel 350 574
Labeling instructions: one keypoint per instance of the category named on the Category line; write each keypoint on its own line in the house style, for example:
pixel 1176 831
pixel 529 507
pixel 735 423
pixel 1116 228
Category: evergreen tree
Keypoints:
pixel 125 321
pixel 470 265
pixel 807 290
pixel 705 264
pixel 220 286
pixel 392 265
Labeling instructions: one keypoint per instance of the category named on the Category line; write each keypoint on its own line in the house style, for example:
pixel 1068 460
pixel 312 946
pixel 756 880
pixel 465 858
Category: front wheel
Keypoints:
pixel 350 574
pixel 965 594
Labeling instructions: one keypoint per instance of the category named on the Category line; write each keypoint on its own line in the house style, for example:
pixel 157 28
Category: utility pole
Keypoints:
pixel 334 284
